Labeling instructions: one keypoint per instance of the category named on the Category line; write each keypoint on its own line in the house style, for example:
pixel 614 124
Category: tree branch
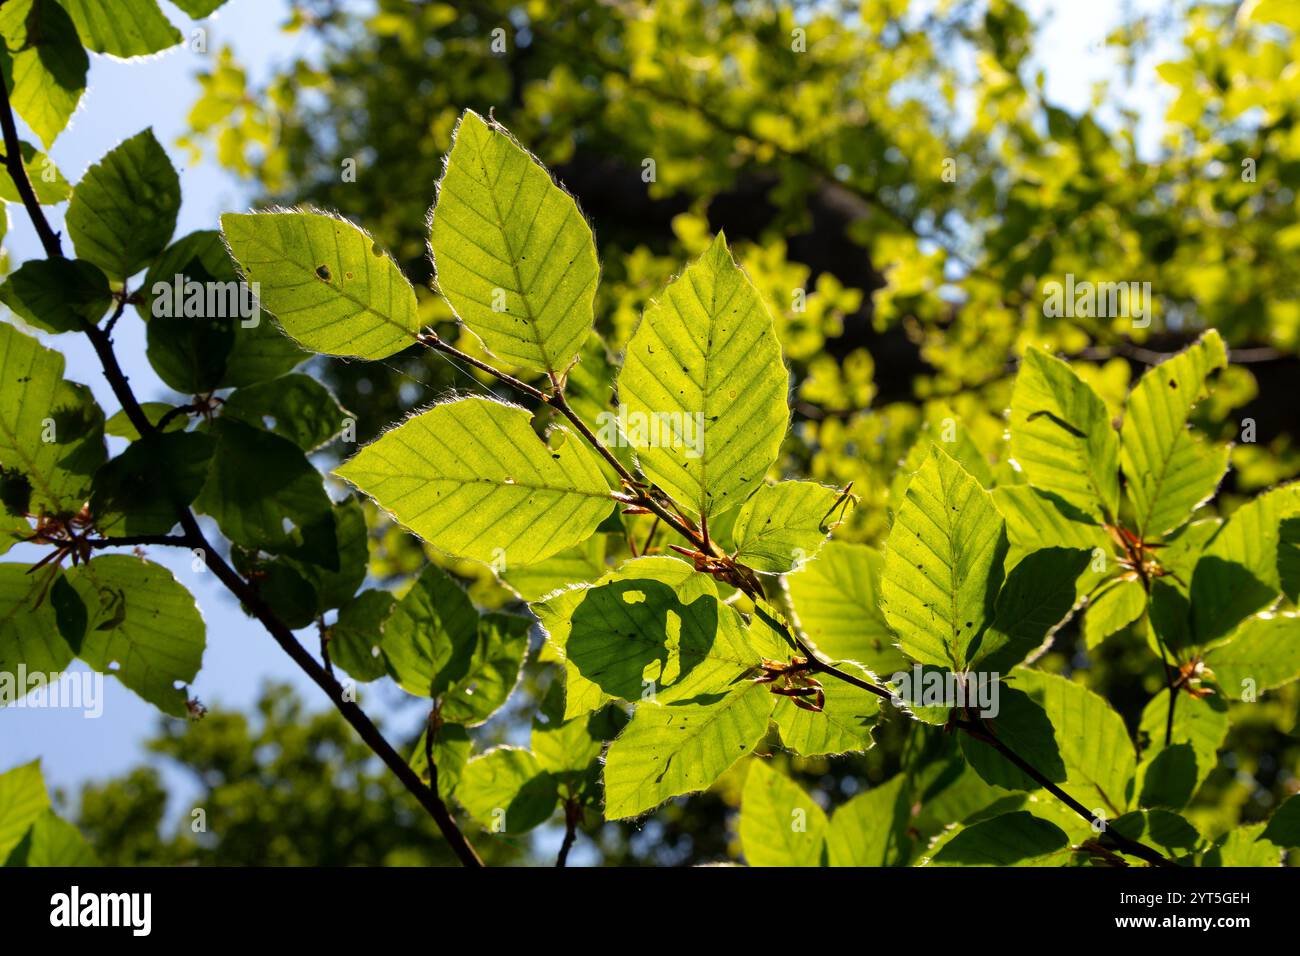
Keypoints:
pixel 1140 850
pixel 135 540
pixel 13 160
pixel 572 812
pixel 193 535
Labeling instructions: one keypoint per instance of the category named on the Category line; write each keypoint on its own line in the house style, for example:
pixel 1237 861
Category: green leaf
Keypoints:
pixel 671 749
pixel 1037 520
pixel 844 724
pixel 51 431
pixel 141 490
pixel 1023 725
pixel 13 527
pixel 568 747
pixel 44 66
pixel 1118 605
pixel 780 823
pixel 335 566
pixel 143 628
pixel 1263 654
pixel 1163 829
pixel 836 603
pixel 871 829
pixel 473 479
pixel 430 638
pixel 1100 759
pixel 1243 846
pixel 22 802
pixel 57 295
pixel 281 586
pixel 451 749
pixel 1237 573
pixel 514 256
pixel 704 378
pixel 580 564
pixel 130 28
pixel 332 287
pixel 502 643
pixel 1169 776
pixel 204 331
pixel 507 791
pixel 47 182
pixel 783 525
pixel 1169 472
pixel 198 9
pixel 296 407
pixel 356 636
pixel 29 633
pixel 52 842
pixel 653 626
pixel 1169 611
pixel 950 791
pixel 1062 437
pixel 943 429
pixel 120 425
pixel 1288 557
pixel 1036 600
pixel 123 212
pixel 257 482
pixel 589 389
pixel 943 563
pixel 1284 826
pixel 1013 839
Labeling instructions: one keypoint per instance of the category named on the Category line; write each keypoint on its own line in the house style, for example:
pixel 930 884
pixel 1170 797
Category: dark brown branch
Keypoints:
pixel 193 535
pixel 561 404
pixel 13 160
pixel 1133 847
pixel 173 413
pixel 135 540
pixel 572 813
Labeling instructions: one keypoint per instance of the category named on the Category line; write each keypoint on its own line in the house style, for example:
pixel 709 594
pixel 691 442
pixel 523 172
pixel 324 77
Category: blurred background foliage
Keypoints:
pixel 897 184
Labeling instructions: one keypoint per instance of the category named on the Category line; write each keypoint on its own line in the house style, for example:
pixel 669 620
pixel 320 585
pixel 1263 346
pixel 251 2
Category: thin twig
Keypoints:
pixel 173 413
pixel 431 339
pixel 572 812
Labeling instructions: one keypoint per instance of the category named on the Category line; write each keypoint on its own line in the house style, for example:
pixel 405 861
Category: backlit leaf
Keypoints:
pixel 123 212
pixel 473 479
pixel 704 376
pixel 514 256
pixel 332 287
pixel 1061 435
pixel 780 824
pixel 943 563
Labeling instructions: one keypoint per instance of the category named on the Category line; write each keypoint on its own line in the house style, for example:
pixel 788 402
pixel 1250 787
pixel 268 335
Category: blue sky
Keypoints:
pixel 122 97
